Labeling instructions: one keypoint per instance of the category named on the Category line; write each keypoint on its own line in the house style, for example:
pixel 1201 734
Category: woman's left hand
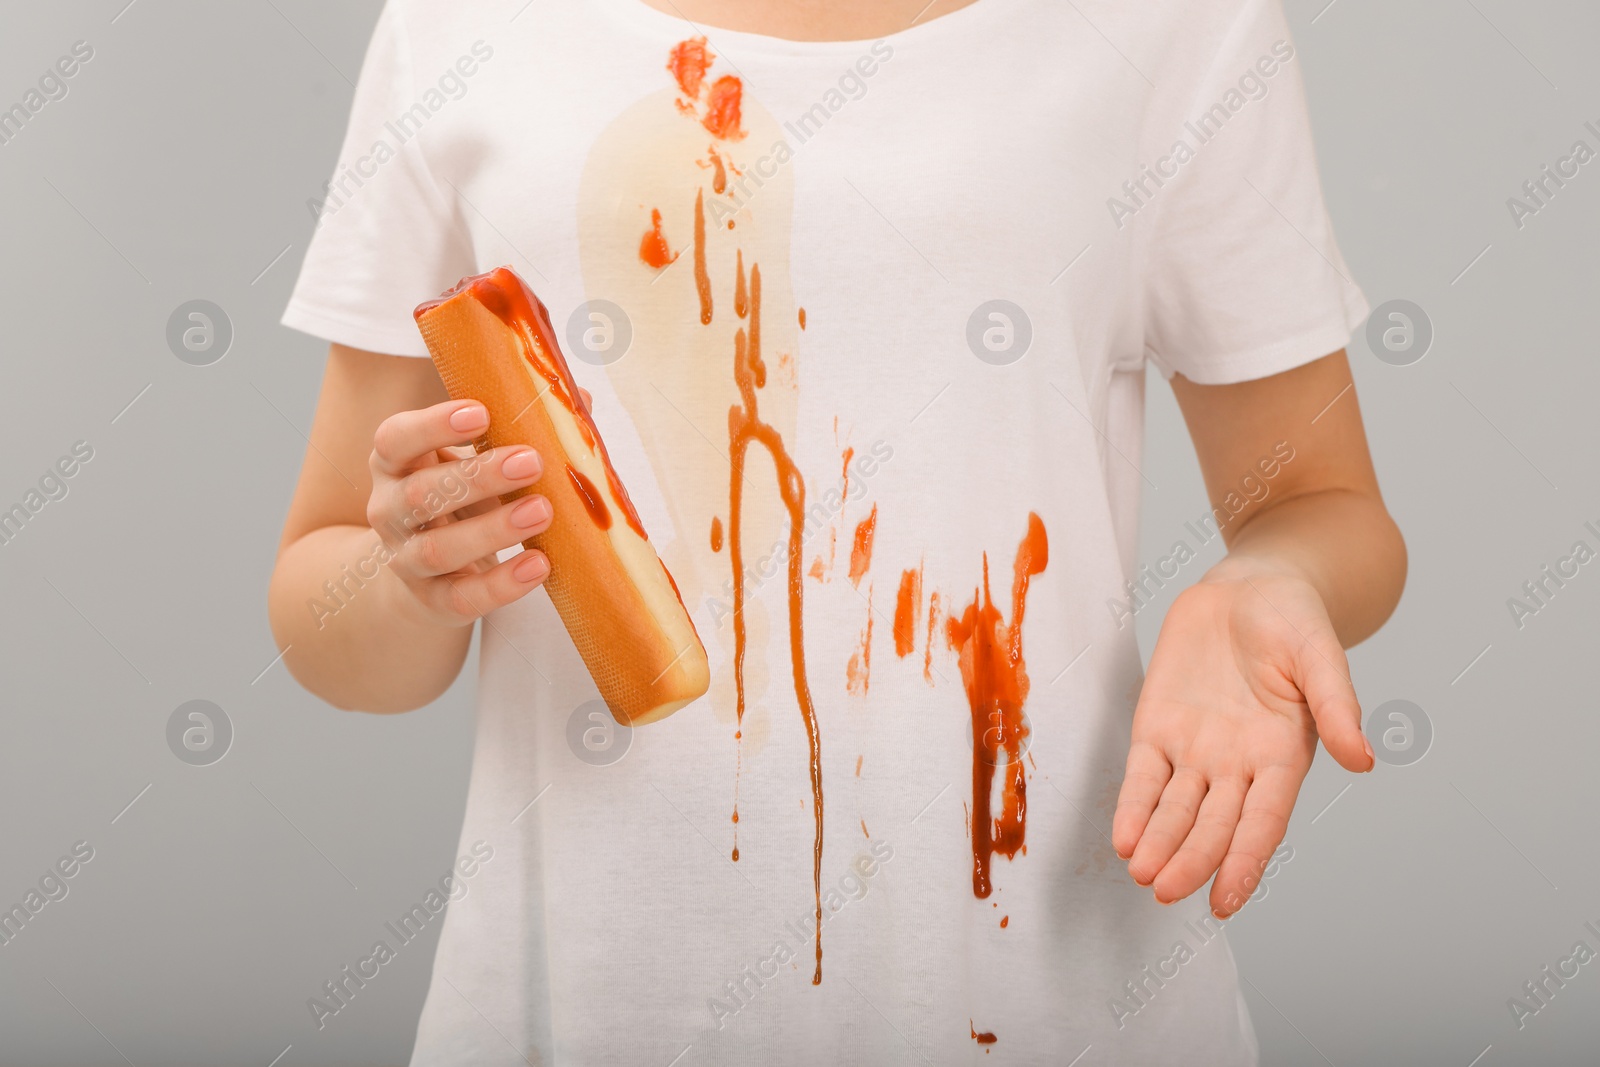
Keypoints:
pixel 1245 677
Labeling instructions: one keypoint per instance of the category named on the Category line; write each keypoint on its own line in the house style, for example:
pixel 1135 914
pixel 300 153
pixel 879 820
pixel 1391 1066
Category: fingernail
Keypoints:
pixel 1163 903
pixel 531 567
pixel 472 417
pixel 1219 914
pixel 531 512
pixel 520 465
pixel 1372 759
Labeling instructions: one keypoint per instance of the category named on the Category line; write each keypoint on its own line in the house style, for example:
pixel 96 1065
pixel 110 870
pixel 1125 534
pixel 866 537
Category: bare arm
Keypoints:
pixel 1249 672
pixel 387 554
pixel 1322 517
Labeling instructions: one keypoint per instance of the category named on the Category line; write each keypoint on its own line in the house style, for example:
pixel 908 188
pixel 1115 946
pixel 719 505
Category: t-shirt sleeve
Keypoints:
pixel 1244 276
pixel 387 238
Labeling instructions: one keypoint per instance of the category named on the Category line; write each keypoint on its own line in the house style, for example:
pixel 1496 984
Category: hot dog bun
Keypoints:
pixel 492 341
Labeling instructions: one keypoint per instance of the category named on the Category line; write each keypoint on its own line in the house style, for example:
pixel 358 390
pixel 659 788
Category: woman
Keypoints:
pixel 928 253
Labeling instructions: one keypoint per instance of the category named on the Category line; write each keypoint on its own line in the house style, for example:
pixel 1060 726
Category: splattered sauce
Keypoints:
pixel 907 606
pixel 989 650
pixel 653 248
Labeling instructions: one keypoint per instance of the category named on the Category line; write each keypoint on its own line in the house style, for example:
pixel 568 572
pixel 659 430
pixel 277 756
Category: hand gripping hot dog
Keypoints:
pixel 492 341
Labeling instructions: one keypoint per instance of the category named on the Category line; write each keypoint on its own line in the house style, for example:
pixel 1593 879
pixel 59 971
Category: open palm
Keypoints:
pixel 1245 677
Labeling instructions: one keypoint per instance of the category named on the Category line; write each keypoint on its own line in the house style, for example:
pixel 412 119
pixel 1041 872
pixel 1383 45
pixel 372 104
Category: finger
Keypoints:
pixel 1146 776
pixel 451 547
pixel 1323 674
pixel 406 437
pixel 1171 823
pixel 1262 823
pixel 1202 851
pixel 465 597
pixel 399 508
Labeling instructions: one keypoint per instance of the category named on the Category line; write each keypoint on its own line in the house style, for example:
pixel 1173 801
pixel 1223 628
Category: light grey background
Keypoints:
pixel 178 168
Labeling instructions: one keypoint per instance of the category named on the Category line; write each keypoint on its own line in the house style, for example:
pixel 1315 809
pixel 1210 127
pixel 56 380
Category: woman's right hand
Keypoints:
pixel 435 504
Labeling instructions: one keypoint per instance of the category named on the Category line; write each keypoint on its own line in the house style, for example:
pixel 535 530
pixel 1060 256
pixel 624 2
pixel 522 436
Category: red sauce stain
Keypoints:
pixel 982 1039
pixel 802 318
pixel 653 247
pixel 933 621
pixel 592 500
pixel 736 832
pixel 1004 921
pixel 858 765
pixel 907 606
pixel 719 176
pixel 861 550
pixel 702 279
pixel 996 680
pixel 741 299
pixel 858 672
pixel 508 298
pixel 745 429
pixel 688 61
pixel 722 109
pixel 864 832
pixel 716 533
pixel 816 569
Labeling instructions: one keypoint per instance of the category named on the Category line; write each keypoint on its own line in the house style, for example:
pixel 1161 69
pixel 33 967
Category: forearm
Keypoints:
pixel 354 634
pixel 1341 541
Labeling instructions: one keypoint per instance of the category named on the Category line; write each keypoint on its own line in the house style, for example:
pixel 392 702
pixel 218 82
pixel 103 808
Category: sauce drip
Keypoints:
pixel 653 249
pixel 996 681
pixel 716 538
pixel 702 279
pixel 745 428
pixel 858 671
pixel 982 1039
pixel 802 318
pixel 861 550
pixel 719 177
pixel 688 61
pixel 933 622
pixel 722 109
pixel 741 300
pixel 1004 921
pixel 592 500
pixel 907 605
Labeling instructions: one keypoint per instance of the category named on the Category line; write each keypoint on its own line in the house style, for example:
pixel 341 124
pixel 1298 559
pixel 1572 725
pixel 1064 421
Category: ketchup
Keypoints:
pixel 591 497
pixel 996 680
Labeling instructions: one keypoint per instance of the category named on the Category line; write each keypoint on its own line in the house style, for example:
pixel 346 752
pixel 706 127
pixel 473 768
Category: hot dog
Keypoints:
pixel 492 341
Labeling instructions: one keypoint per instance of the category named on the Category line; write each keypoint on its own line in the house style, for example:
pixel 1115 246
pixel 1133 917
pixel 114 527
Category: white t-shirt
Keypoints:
pixel 970 236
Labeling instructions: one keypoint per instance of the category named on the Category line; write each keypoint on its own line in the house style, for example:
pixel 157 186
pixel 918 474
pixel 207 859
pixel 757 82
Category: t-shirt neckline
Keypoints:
pixel 641 15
